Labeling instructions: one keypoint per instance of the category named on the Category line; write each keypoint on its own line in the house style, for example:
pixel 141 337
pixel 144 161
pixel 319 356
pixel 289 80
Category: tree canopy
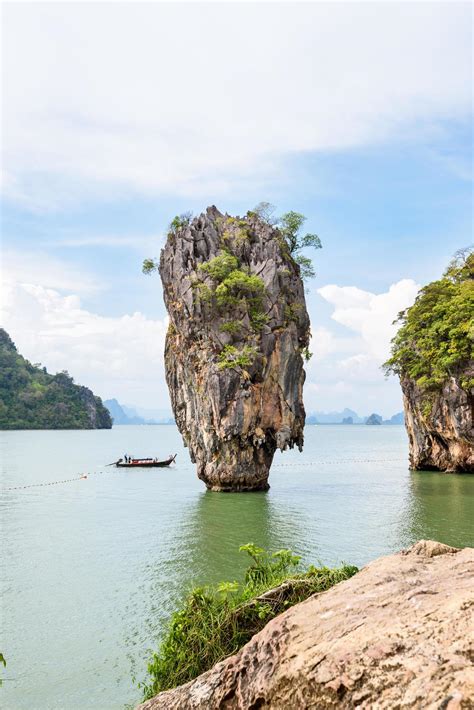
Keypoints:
pixel 31 398
pixel 289 225
pixel 436 337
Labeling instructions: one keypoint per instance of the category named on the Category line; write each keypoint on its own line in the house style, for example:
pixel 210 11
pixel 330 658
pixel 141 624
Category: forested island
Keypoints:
pixel 433 354
pixel 32 398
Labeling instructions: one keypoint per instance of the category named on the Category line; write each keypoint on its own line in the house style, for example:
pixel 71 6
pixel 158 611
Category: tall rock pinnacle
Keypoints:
pixel 234 349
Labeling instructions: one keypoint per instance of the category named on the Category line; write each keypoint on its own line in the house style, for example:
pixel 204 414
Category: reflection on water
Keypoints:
pixel 441 507
pixel 219 524
pixel 211 530
pixel 92 569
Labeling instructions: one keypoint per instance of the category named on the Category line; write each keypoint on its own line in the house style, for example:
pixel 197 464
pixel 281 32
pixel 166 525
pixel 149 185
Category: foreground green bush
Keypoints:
pixel 217 621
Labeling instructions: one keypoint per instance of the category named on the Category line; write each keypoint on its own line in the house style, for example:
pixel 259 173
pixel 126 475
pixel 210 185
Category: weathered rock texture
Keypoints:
pixel 234 417
pixel 440 430
pixel 399 634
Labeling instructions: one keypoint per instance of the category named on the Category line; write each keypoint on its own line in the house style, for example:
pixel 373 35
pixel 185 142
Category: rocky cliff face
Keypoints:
pixel 440 426
pixel 393 636
pixel 233 356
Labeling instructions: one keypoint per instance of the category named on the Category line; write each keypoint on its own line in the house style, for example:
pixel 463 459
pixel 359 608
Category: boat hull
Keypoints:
pixel 146 464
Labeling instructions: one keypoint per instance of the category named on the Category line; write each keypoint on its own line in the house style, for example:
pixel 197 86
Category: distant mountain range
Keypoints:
pixel 125 414
pixel 348 416
pixel 122 414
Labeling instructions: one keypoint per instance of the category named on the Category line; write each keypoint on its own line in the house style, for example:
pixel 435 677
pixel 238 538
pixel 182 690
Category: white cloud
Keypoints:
pixel 161 97
pixel 371 315
pixel 346 368
pixel 123 356
pixel 117 357
pixel 38 267
pixel 134 241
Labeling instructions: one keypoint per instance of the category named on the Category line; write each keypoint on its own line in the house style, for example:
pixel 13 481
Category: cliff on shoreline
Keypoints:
pixel 440 429
pixel 393 635
pixel 31 398
pixel 433 354
pixel 234 349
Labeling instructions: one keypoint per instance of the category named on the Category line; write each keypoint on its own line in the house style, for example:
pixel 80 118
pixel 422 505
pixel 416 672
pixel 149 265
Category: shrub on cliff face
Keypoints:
pixel 235 358
pixel 232 286
pixel 289 225
pixel 436 337
pixel 217 621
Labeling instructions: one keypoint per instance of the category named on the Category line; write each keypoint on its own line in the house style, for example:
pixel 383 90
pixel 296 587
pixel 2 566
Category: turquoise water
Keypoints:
pixel 91 568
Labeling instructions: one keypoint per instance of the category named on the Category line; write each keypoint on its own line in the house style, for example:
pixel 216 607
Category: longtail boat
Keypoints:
pixel 145 463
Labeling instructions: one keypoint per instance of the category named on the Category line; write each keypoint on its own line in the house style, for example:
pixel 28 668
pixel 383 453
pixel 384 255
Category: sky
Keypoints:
pixel 118 116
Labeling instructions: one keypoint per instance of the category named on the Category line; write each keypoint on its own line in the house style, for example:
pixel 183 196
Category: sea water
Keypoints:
pixel 92 567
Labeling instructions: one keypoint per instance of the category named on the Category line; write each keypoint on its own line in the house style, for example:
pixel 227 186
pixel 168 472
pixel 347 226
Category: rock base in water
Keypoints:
pixel 396 635
pixel 440 427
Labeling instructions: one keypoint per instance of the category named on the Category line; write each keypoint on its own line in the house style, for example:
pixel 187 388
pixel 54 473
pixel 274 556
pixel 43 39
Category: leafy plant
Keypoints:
pixel 435 340
pixel 257 319
pixel 289 225
pixel 235 287
pixel 292 311
pixel 240 286
pixel 180 221
pixel 230 356
pixel 231 326
pixel 220 266
pixel 149 265
pixel 216 621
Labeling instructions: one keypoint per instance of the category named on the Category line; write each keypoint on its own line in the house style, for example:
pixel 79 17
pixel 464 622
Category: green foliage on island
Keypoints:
pixel 230 356
pixel 31 398
pixel 289 226
pixel 215 622
pixel 220 267
pixel 233 285
pixel 436 338
pixel 226 287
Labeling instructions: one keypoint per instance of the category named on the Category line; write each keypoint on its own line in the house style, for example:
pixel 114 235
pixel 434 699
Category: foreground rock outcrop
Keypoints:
pixel 440 430
pixel 233 356
pixel 399 634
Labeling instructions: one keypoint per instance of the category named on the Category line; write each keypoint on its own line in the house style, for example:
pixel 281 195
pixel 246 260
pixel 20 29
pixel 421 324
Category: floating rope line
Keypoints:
pixel 338 461
pixel 84 476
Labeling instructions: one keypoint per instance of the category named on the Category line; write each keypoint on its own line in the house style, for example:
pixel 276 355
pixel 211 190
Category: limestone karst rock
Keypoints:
pixel 234 349
pixel 395 635
pixel 433 354
pixel 441 437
